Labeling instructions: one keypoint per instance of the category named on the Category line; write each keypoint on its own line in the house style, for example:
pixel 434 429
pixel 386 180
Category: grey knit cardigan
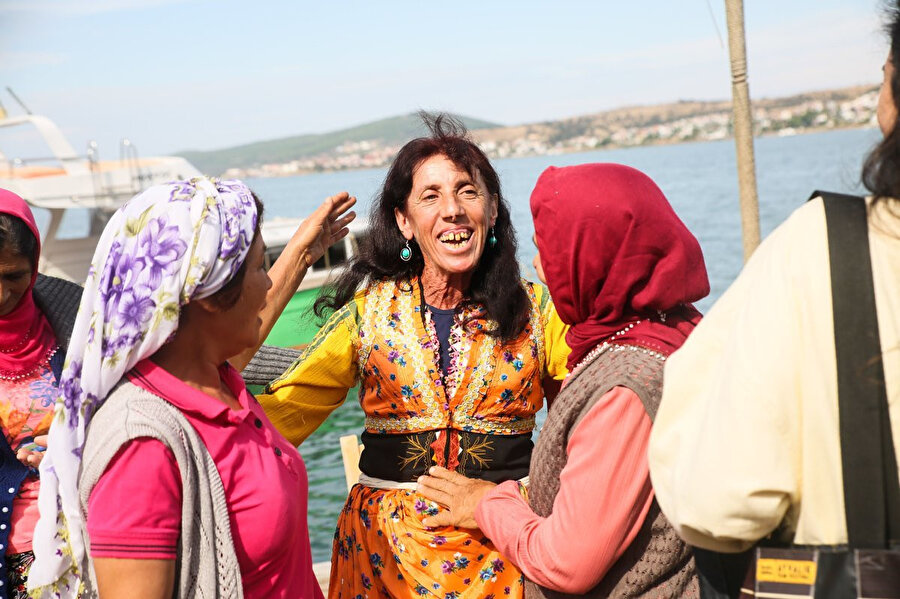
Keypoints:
pixel 206 566
pixel 58 299
pixel 657 564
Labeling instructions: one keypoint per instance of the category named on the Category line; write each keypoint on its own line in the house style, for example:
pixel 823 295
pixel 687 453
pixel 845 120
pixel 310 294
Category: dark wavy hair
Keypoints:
pixel 16 237
pixel 881 171
pixel 496 283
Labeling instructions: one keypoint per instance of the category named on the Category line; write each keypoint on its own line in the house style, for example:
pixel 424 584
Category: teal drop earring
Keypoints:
pixel 492 240
pixel 406 252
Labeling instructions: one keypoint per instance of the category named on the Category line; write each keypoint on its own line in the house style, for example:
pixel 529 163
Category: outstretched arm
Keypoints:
pixel 299 400
pixel 322 229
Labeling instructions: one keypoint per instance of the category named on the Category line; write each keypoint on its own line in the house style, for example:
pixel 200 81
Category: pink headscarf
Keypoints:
pixel 26 338
pixel 614 252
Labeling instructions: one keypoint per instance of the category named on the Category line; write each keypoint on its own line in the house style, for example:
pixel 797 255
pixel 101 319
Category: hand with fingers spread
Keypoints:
pixel 32 453
pixel 460 495
pixel 324 227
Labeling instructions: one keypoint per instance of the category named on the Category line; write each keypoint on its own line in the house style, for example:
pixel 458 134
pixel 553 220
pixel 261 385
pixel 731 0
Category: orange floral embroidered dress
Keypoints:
pixel 476 418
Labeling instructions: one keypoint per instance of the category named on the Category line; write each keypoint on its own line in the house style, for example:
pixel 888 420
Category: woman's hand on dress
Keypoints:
pixel 460 495
pixel 32 457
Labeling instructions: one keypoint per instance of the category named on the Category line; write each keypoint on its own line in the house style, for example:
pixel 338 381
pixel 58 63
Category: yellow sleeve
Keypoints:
pixel 556 352
pixel 317 383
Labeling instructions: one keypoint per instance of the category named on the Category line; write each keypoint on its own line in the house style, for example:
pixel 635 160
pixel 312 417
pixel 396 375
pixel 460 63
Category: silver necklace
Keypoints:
pixel 9 376
pixel 610 345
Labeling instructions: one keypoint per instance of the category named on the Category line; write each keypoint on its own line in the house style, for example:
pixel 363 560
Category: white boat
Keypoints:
pixel 65 180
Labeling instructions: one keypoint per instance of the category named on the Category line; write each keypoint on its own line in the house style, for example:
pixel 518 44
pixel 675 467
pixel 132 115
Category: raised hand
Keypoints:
pixel 325 227
pixel 460 495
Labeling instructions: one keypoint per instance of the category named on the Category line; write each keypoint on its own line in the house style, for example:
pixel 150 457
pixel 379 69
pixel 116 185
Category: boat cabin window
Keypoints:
pixel 271 255
pixel 336 255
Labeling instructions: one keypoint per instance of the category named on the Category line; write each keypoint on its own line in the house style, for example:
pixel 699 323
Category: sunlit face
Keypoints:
pixel 448 213
pixel 537 261
pixel 887 110
pixel 15 278
pixel 243 318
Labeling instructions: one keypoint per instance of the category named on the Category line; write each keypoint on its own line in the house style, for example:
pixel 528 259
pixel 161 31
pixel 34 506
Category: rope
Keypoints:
pixel 715 24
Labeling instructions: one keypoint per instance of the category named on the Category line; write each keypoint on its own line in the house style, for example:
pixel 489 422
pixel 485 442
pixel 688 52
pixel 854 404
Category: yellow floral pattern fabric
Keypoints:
pixel 381 340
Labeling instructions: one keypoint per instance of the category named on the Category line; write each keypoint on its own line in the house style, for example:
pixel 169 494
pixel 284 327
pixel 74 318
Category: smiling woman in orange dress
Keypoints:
pixel 454 354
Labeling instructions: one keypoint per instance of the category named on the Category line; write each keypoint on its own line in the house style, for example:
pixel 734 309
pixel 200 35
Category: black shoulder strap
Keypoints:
pixel 871 486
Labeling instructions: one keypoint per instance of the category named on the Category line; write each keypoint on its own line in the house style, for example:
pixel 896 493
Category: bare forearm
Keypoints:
pixel 286 274
pixel 322 229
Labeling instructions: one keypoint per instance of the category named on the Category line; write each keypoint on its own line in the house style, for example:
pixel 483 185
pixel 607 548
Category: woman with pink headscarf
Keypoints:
pixel 33 338
pixel 622 270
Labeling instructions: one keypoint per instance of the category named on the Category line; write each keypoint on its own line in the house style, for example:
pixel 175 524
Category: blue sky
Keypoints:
pixel 203 74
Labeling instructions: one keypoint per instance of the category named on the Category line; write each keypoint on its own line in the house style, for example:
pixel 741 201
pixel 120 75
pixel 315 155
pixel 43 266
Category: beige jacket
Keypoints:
pixel 747 434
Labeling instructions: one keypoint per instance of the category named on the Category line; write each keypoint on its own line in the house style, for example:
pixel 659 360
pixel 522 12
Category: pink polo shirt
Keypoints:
pixel 135 509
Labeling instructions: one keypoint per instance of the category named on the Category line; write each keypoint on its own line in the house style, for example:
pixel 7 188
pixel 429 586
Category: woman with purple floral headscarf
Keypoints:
pixel 163 476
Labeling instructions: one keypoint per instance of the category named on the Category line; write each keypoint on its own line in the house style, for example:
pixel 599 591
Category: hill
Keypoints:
pixel 385 132
pixel 374 145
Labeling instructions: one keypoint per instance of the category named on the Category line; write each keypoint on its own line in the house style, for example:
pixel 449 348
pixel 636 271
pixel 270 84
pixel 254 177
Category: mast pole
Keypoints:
pixel 743 126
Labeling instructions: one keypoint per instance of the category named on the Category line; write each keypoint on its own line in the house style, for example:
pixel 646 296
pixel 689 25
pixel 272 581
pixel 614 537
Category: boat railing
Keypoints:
pixel 10 165
pixel 55 141
pixel 128 154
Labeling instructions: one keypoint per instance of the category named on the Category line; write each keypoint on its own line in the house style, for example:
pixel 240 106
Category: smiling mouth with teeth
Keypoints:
pixel 455 239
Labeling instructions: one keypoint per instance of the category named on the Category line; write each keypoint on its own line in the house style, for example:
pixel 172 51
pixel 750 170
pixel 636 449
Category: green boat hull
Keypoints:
pixel 297 325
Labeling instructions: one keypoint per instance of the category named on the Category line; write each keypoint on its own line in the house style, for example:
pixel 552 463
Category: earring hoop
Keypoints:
pixel 406 252
pixel 492 240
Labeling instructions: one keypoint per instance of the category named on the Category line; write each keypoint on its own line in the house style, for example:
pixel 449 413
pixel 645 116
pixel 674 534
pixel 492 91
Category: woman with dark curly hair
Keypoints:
pixel 452 350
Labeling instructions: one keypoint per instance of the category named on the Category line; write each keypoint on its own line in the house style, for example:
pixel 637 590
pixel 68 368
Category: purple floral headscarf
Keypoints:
pixel 167 245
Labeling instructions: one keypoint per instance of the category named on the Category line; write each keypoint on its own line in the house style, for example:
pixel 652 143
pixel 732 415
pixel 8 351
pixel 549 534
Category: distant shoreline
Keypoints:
pixel 653 143
pixel 374 145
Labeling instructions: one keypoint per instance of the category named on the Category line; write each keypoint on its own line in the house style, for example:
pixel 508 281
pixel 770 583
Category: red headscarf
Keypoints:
pixel 614 252
pixel 26 338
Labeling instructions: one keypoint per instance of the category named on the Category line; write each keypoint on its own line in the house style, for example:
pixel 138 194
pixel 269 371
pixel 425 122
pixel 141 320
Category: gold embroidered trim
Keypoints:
pixel 537 329
pixel 477 454
pixel 378 302
pixel 497 427
pixel 434 417
pixel 405 333
pixel 478 382
pixel 417 450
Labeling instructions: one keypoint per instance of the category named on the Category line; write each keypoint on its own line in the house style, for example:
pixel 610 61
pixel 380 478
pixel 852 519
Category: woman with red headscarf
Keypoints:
pixel 622 270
